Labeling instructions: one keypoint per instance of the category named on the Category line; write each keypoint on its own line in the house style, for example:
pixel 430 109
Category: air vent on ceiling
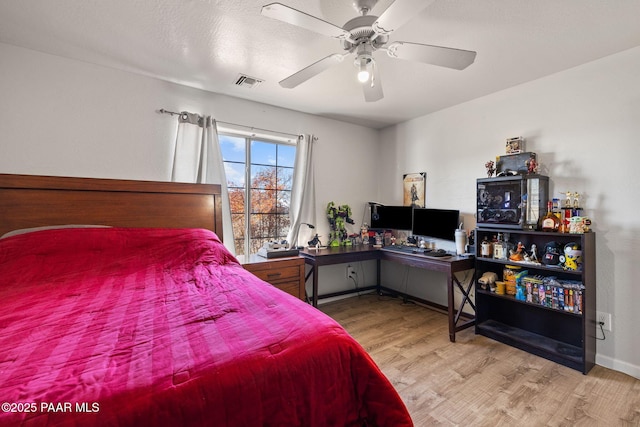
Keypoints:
pixel 247 81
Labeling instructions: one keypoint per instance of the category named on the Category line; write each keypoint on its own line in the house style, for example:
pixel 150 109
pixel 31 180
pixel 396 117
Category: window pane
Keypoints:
pixel 238 222
pixel 235 174
pixel 285 178
pixel 286 155
pixel 264 226
pixel 263 176
pixel 236 200
pixel 263 153
pixel 282 223
pixel 256 244
pixel 239 246
pixel 233 148
pixel 283 202
pixel 263 201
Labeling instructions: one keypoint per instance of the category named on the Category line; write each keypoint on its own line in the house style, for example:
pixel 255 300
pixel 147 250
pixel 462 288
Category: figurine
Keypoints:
pixel 337 217
pixel 534 253
pixel 315 242
pixel 364 234
pixel 572 257
pixel 518 254
pixel 490 168
pixel 532 164
pixel 487 279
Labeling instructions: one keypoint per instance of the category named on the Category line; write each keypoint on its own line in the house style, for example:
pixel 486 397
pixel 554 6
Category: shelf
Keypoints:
pixel 528 304
pixel 539 345
pixel 524 265
pixel 564 337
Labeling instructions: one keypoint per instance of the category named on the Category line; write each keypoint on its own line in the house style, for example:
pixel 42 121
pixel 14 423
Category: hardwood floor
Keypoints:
pixel 477 381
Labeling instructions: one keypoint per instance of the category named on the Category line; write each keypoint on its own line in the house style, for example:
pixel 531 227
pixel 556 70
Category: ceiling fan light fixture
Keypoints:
pixel 363 70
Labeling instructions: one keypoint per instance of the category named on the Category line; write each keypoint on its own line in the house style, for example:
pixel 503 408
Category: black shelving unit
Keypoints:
pixel 562 336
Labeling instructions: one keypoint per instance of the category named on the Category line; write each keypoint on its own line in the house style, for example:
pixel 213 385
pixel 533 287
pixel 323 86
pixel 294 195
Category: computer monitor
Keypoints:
pixel 391 217
pixel 436 223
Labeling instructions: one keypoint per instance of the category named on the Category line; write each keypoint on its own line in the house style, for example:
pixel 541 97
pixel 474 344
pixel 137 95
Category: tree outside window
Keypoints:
pixel 259 194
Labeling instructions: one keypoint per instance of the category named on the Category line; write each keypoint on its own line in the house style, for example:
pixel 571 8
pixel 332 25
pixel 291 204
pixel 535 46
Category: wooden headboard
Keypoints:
pixel 33 201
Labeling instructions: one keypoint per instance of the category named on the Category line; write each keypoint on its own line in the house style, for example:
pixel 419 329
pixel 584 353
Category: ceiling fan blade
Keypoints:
pixel 373 88
pixel 295 17
pixel 398 14
pixel 310 71
pixel 435 55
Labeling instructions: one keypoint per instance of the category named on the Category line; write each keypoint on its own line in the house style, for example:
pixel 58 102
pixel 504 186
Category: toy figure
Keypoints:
pixel 534 253
pixel 487 280
pixel 364 234
pixel 337 217
pixel 572 259
pixel 490 169
pixel 532 164
pixel 518 254
pixel 315 242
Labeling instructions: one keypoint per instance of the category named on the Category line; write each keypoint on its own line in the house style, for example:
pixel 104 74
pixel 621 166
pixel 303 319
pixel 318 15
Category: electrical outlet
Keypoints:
pixel 605 319
pixel 351 272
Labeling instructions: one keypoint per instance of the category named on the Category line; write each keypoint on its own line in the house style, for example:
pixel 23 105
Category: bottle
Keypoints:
pixel 461 240
pixel 486 248
pixel 556 208
pixel 550 222
pixel 499 248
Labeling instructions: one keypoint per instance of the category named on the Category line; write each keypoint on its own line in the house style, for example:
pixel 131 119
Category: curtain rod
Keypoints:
pixel 173 113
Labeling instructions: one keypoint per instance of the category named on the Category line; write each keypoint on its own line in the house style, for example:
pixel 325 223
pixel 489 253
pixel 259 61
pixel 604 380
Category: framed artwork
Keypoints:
pixel 414 185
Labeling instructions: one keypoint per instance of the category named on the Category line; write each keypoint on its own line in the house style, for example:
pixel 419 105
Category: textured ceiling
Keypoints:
pixel 206 44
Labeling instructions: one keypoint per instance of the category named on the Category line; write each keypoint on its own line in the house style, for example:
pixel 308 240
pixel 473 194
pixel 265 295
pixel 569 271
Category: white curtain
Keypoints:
pixel 303 194
pixel 197 158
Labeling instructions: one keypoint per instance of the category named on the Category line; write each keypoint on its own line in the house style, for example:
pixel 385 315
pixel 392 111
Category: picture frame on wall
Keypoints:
pixel 414 189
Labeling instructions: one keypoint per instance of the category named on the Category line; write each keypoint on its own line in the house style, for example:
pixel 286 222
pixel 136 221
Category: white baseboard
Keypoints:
pixel 618 365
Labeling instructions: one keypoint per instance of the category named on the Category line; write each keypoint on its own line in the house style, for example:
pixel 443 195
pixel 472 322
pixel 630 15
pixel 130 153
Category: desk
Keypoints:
pixel 449 265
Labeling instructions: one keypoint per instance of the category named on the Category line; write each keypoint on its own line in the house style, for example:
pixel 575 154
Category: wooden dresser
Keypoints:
pixel 286 274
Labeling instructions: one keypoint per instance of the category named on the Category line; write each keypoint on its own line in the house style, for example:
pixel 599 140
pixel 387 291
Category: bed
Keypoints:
pixel 151 321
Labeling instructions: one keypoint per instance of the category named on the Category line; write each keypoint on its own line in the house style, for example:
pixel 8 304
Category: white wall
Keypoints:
pixel 68 118
pixel 584 124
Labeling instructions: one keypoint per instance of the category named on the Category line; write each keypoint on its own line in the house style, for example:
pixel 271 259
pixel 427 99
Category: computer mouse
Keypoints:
pixel 441 251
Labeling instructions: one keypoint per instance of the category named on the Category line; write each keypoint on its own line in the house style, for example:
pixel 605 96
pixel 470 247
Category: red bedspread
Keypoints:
pixel 129 327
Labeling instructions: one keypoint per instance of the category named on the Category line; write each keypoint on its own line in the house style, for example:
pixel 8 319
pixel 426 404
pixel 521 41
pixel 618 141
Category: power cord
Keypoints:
pixel 601 324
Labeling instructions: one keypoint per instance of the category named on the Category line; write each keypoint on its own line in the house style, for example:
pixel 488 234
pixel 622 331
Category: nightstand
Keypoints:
pixel 286 274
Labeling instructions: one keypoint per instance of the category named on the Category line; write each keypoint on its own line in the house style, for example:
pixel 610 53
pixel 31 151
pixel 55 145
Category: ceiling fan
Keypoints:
pixel 365 34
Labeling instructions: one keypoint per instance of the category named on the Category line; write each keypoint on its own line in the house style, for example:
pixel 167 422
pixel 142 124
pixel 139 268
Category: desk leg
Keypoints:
pixel 313 271
pixel 315 286
pixel 451 309
pixel 454 315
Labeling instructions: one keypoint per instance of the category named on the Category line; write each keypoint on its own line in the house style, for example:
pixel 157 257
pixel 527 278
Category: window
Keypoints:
pixel 259 194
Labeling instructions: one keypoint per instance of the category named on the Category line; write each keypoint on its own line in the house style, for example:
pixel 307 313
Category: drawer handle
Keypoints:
pixel 274 275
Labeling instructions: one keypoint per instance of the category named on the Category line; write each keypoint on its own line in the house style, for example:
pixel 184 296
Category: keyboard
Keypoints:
pixel 417 251
pixel 437 254
pixel 407 249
